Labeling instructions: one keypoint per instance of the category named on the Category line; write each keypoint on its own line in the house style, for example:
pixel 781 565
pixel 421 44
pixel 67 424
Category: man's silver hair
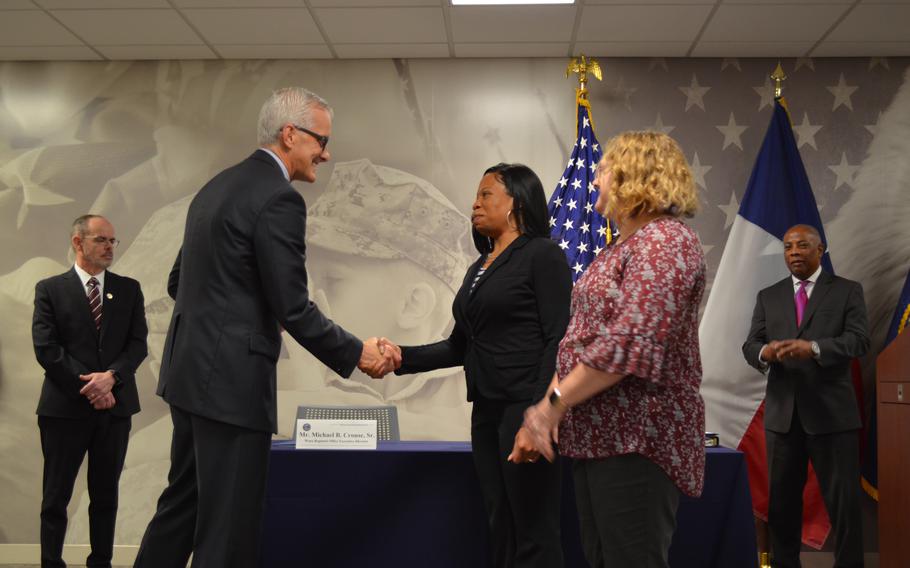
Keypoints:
pixel 290 105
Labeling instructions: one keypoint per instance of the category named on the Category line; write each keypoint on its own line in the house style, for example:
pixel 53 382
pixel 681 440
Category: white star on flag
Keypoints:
pixel 730 210
pixel 805 132
pixel 873 128
pixel 699 171
pixel 658 62
pixel 844 171
pixel 659 126
pixel 732 133
pixel 730 62
pixel 804 61
pixel 695 94
pixel 842 92
pixel 766 92
pixel 876 61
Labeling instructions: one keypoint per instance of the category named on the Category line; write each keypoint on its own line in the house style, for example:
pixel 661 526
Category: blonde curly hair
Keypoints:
pixel 650 174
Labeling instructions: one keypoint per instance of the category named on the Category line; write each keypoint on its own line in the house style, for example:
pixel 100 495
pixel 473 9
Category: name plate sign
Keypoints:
pixel 325 434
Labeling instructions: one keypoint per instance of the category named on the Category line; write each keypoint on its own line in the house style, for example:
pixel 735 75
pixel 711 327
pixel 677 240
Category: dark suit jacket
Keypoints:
pixel 821 390
pixel 239 275
pixel 67 345
pixel 507 331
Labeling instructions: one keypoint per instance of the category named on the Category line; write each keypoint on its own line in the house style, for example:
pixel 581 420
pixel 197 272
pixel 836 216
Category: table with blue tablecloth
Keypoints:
pixel 418 504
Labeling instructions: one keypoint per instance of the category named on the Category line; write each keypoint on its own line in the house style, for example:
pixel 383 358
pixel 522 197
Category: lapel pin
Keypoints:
pixel 109 296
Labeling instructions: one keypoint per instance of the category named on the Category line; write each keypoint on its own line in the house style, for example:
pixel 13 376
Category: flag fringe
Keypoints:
pixel 867 487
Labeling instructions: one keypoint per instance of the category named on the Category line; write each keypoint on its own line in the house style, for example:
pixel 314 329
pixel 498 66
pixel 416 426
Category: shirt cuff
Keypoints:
pixel 761 361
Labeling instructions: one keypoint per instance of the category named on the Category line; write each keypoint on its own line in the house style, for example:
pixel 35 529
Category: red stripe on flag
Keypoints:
pixel 816 524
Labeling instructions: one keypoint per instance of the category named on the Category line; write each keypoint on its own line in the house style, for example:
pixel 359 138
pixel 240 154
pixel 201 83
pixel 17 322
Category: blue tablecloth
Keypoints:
pixel 418 504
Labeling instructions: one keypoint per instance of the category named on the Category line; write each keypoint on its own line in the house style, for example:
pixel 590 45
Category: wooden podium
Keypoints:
pixel 893 406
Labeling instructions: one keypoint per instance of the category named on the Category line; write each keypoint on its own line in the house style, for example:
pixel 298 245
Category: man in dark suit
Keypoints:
pixel 89 333
pixel 806 330
pixel 238 280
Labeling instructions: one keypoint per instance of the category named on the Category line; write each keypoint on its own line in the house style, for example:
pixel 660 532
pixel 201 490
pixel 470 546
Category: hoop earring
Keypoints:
pixel 509 214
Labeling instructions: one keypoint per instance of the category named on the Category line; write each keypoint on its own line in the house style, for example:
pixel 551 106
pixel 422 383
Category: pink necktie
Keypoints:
pixel 802 298
pixel 94 301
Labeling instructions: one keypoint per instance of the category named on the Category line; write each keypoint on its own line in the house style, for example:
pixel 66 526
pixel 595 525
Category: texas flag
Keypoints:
pixel 777 197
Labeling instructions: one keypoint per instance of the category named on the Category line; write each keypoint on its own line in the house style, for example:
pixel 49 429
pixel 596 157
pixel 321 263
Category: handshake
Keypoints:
pixel 379 357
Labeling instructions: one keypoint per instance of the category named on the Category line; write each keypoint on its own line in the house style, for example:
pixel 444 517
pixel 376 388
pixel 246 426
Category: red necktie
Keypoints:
pixel 802 299
pixel 94 302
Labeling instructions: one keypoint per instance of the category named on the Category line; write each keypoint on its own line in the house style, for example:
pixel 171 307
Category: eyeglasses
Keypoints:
pixel 103 241
pixel 323 140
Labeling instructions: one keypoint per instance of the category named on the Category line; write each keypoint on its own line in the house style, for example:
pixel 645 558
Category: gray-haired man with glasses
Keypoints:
pixel 238 280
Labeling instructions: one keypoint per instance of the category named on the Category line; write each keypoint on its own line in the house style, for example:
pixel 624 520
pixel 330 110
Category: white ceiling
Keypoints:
pixel 352 29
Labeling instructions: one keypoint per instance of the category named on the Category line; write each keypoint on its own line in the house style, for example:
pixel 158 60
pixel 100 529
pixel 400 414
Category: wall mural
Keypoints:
pixel 135 140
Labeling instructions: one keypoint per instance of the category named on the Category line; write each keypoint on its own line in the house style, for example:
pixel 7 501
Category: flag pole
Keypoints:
pixel 575 225
pixel 581 66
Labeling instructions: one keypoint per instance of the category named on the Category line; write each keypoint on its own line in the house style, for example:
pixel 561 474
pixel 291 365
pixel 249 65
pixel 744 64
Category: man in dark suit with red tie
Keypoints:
pixel 238 280
pixel 806 330
pixel 89 333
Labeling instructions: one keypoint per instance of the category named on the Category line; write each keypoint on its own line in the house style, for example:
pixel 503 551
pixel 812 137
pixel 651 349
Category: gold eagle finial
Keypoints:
pixel 582 66
pixel 778 76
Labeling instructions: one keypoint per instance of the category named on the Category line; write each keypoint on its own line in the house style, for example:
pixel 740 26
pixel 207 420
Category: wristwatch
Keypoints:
pixel 556 400
pixel 116 374
pixel 816 352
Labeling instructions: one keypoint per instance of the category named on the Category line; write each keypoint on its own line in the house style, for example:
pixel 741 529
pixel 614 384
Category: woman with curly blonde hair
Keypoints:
pixel 626 389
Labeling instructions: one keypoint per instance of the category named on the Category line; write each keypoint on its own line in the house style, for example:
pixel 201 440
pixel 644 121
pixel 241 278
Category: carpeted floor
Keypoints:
pixel 808 559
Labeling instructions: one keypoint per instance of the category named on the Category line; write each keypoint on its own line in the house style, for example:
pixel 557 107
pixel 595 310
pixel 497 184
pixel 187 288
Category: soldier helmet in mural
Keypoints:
pixel 380 212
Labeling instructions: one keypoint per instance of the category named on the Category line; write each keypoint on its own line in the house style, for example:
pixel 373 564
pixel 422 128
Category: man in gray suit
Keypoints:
pixel 240 278
pixel 806 330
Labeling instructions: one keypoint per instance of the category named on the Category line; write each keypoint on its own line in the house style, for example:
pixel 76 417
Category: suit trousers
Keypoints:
pixel 835 458
pixel 64 443
pixel 626 511
pixel 213 504
pixel 521 500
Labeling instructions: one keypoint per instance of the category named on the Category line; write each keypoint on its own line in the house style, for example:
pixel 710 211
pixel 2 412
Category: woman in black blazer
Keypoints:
pixel 510 313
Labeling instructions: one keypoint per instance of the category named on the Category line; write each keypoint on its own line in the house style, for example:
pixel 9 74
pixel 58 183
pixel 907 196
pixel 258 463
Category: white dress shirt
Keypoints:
pixel 281 165
pixel 84 276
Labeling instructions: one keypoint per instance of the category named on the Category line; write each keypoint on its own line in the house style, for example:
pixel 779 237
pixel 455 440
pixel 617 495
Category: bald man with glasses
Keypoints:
pixel 89 333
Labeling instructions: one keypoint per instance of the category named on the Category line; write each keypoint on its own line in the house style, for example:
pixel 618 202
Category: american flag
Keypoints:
pixel 580 230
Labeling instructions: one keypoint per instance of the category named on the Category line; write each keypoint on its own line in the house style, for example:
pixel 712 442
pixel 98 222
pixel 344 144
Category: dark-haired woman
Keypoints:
pixel 510 313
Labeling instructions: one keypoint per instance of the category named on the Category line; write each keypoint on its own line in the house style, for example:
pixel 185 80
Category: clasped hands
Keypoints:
pixel 379 357
pixel 787 350
pixel 538 433
pixel 98 389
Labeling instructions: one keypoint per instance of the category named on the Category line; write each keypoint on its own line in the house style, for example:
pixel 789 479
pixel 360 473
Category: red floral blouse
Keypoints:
pixel 635 313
